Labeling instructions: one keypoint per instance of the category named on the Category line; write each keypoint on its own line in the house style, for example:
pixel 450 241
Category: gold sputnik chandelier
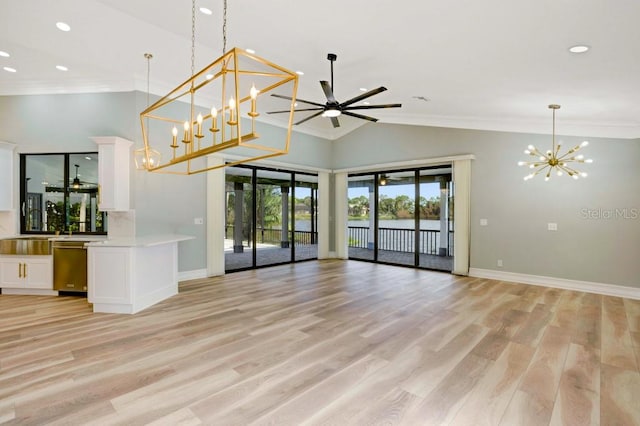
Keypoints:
pixel 551 161
pixel 231 88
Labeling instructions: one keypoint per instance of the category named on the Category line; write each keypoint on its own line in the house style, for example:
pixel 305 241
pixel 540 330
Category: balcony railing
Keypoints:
pixel 400 239
pixel 274 236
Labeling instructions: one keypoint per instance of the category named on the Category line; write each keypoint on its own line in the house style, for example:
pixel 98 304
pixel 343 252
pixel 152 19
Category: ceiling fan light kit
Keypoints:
pixel 332 109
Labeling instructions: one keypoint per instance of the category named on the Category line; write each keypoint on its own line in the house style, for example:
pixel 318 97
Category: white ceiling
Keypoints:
pixel 490 64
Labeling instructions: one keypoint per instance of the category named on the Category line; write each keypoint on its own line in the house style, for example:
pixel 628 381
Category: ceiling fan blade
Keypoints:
pixel 363 96
pixel 335 122
pixel 309 117
pixel 328 92
pixel 364 117
pixel 295 110
pixel 372 106
pixel 297 100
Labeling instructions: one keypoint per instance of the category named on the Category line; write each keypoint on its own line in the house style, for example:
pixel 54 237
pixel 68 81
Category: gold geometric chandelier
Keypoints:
pixel 551 161
pixel 231 88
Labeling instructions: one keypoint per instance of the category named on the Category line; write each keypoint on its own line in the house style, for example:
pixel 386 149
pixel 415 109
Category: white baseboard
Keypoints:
pixel 31 291
pixel 192 275
pixel 562 283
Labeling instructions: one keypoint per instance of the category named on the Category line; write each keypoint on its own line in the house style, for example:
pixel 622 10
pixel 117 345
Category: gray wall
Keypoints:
pixel 589 245
pixel 163 203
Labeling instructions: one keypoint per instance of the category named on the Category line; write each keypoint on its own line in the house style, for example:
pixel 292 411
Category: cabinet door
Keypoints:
pixel 113 173
pixel 11 272
pixel 39 273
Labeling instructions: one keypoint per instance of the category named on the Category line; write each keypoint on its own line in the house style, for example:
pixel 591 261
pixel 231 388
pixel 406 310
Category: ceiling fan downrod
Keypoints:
pixel 332 57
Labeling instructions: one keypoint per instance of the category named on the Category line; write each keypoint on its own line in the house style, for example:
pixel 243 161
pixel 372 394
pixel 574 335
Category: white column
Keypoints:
pixel 215 217
pixel 284 236
pixel 372 217
pixel 444 215
pixel 323 215
pixel 341 216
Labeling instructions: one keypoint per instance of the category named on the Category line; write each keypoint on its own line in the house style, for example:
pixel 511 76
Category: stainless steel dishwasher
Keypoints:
pixel 69 266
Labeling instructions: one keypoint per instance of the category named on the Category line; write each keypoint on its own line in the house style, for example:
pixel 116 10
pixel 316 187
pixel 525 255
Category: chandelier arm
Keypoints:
pixel 571 151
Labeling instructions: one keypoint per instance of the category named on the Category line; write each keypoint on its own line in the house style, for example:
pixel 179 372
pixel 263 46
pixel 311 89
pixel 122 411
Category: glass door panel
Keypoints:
pixel 238 243
pixel 273 217
pixel 396 218
pixel 436 225
pixel 306 218
pixel 361 224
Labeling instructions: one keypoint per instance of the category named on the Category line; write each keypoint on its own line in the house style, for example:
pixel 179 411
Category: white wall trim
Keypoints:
pixel 270 163
pixel 195 274
pixel 409 163
pixel 561 283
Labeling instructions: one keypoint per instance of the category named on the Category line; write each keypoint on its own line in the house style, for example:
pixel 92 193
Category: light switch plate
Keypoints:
pixel 552 226
pixel 484 222
pixel 198 221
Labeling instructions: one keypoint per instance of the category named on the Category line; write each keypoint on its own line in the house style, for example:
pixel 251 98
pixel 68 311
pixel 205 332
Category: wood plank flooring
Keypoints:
pixel 326 343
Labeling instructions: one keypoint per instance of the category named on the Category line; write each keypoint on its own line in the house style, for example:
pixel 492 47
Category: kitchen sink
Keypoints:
pixel 28 245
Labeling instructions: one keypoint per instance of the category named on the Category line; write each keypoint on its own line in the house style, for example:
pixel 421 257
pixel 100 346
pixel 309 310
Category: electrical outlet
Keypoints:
pixel 198 221
pixel 499 263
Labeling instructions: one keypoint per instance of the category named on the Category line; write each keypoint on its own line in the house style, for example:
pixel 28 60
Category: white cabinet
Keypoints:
pixel 6 176
pixel 113 173
pixel 130 277
pixel 29 272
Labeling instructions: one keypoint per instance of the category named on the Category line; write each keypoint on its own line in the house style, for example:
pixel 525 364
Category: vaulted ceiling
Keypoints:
pixel 489 64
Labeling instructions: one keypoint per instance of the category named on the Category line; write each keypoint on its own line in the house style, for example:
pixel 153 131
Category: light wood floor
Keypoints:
pixel 330 342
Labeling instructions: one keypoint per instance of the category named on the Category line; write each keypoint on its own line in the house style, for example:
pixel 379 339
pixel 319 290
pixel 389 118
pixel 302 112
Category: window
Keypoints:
pixel 58 193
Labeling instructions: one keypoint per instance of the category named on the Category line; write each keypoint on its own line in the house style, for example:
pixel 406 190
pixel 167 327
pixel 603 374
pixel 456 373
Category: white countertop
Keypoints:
pixel 146 241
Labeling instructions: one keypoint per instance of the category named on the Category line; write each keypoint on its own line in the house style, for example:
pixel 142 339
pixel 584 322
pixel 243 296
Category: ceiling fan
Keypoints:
pixel 332 108
pixel 76 183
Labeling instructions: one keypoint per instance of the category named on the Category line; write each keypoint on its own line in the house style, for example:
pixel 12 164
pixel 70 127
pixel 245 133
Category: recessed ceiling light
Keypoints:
pixel 9 69
pixel 87 158
pixel 299 72
pixel 579 48
pixel 206 11
pixel 251 51
pixel 62 26
pixel 366 103
pixel 363 89
pixel 44 182
pixel 209 76
pixel 4 54
pixel 295 104
pixel 62 68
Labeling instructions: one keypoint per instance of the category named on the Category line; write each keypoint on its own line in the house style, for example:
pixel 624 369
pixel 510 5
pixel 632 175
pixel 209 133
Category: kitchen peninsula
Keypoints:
pixel 127 275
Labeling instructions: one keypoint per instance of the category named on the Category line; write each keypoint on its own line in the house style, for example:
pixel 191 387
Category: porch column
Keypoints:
pixel 238 188
pixel 372 217
pixel 444 215
pixel 284 191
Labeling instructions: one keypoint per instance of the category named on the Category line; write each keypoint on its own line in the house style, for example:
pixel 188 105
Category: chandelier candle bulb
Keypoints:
pixel 185 139
pixel 199 121
pixel 232 107
pixel 254 94
pixel 214 120
pixel 174 133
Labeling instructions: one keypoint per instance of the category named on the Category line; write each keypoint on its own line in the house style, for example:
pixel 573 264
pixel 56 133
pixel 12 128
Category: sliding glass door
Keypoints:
pixel 402 217
pixel 271 217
